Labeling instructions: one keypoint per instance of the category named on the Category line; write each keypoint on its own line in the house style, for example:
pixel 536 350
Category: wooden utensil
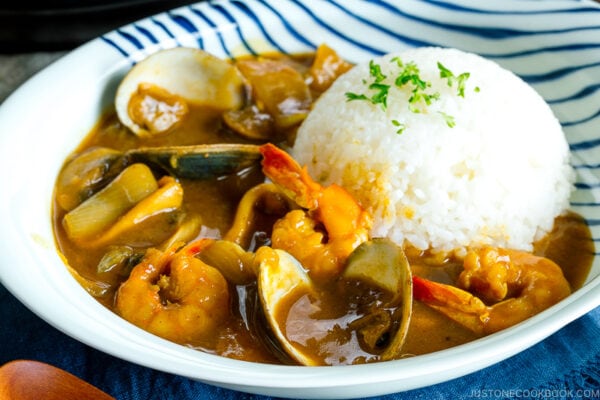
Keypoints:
pixel 33 380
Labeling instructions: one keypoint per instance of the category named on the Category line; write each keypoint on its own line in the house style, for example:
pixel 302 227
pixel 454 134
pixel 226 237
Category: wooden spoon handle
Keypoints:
pixel 33 380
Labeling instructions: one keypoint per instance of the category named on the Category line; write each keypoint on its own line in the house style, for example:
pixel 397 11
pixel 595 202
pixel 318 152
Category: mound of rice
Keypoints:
pixel 499 176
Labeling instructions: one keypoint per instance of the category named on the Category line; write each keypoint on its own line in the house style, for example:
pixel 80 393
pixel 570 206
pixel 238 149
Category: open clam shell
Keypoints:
pixel 383 264
pixel 378 264
pixel 193 75
pixel 280 274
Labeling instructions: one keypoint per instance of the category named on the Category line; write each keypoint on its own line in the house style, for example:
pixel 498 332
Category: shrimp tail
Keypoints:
pixel 290 177
pixel 457 304
pixel 346 224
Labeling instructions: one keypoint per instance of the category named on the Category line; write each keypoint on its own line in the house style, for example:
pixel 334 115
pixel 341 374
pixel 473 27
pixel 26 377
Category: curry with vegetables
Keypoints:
pixel 182 213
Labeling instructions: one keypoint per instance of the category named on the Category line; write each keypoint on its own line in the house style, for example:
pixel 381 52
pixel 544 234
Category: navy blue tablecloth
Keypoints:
pixel 564 366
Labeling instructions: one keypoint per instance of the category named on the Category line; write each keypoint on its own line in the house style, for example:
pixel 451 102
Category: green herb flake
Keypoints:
pixel 401 127
pixel 448 118
pixel 409 77
pixel 398 61
pixel 445 72
pixel 381 93
pixel 410 73
pixel 353 96
pixel 379 97
pixel 460 80
pixel 375 71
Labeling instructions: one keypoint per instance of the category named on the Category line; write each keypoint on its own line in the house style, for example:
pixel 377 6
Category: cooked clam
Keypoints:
pixel 383 264
pixel 309 322
pixel 280 275
pixel 154 96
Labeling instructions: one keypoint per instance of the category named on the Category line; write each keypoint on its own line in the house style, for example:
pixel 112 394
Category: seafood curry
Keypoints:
pixel 164 215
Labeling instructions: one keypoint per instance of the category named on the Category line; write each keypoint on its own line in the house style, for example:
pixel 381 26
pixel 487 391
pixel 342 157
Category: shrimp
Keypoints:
pixel 517 284
pixel 330 225
pixel 174 295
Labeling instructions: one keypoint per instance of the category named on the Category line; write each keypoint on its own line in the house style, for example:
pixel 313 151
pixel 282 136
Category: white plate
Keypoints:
pixel 552 44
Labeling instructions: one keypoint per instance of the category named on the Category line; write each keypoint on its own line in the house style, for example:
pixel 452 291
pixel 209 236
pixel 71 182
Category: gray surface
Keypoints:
pixel 15 69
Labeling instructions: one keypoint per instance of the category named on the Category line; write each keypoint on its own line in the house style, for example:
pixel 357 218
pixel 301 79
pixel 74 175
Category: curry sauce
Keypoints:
pixel 245 333
pixel 245 336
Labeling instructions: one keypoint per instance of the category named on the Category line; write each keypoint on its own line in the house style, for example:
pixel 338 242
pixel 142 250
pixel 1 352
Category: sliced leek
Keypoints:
pixel 101 210
pixel 166 198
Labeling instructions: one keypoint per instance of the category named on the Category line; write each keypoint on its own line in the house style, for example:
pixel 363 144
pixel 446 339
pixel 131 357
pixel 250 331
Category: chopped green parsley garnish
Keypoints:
pixel 380 89
pixel 375 71
pixel 409 77
pixel 459 80
pixel 448 118
pixel 354 96
pixel 401 127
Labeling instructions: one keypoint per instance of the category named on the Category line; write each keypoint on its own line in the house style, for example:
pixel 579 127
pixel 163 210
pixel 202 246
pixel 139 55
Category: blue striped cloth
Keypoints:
pixel 564 366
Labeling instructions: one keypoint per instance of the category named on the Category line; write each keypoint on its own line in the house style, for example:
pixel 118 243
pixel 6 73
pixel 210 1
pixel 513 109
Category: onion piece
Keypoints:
pixel 166 198
pixel 278 89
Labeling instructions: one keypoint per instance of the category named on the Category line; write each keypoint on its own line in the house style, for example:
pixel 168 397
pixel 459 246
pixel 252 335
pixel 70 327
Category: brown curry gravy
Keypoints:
pixel 245 336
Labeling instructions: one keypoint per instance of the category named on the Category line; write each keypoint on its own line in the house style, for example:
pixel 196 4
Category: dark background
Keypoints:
pixel 37 25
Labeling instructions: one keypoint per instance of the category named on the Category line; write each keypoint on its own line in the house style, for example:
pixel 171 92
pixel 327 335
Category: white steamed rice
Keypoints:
pixel 499 176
